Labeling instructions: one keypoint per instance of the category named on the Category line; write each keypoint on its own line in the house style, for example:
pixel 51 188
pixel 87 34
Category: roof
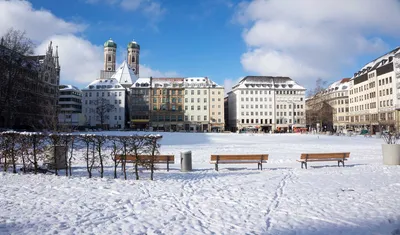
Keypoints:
pixel 104 84
pixel 141 83
pixel 342 84
pixel 133 45
pixel 378 62
pixel 269 82
pixel 68 88
pixel 125 75
pixel 110 43
pixel 200 82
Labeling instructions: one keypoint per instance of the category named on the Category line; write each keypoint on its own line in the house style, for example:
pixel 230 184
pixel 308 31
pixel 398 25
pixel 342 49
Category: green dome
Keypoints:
pixel 110 43
pixel 133 45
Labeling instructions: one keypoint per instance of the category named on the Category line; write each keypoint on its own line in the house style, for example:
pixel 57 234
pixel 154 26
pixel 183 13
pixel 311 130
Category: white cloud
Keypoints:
pixel 38 24
pixel 80 60
pixel 151 8
pixel 229 83
pixel 146 71
pixel 306 39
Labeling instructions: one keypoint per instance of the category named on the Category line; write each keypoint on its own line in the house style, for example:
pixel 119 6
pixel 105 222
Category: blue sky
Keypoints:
pixel 221 39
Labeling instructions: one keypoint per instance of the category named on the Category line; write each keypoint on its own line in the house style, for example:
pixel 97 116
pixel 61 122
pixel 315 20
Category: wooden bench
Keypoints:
pixel 158 159
pixel 239 159
pixel 321 157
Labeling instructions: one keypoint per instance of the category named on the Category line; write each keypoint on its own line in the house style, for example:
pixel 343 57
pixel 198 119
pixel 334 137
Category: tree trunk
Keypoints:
pixel 55 159
pixel 13 158
pixel 70 157
pixel 34 155
pixel 87 160
pixel 101 160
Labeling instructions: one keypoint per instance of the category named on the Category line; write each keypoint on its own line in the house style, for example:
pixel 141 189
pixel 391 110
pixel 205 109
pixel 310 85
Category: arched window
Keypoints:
pixel 133 59
pixel 109 58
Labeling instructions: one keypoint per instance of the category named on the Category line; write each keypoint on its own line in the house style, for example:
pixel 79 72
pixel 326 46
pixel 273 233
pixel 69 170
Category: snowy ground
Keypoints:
pixel 362 198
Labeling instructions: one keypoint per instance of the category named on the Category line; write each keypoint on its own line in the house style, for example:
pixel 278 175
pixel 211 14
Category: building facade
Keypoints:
pixel 166 104
pixel 139 104
pixel 70 104
pixel 29 91
pixel 204 109
pixel 104 104
pixel 373 94
pixel 328 110
pixel 266 103
pixel 106 99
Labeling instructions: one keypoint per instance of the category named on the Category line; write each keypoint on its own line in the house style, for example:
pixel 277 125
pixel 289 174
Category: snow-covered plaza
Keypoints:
pixel 361 198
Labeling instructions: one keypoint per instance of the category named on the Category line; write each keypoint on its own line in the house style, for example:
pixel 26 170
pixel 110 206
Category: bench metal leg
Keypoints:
pixel 305 164
pixel 338 163
pixel 259 165
pixel 168 165
pixel 216 166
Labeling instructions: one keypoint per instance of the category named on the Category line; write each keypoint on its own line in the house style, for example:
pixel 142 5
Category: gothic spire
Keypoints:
pixel 56 59
pixel 50 49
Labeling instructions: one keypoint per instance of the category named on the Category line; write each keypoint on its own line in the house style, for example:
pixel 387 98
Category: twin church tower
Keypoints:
pixel 110 50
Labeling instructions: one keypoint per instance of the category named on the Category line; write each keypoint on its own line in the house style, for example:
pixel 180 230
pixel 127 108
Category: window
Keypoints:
pixel 205 118
pixel 205 107
pixel 192 92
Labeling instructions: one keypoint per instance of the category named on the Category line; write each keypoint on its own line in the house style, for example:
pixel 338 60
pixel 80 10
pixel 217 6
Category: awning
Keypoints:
pixel 282 125
pixel 139 120
pixel 299 125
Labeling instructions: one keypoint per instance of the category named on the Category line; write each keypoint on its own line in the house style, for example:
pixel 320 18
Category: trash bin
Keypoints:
pixel 186 161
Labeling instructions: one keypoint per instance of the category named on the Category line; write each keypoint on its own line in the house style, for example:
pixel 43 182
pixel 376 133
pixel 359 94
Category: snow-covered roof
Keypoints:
pixel 379 62
pixel 69 88
pixel 200 82
pixel 125 75
pixel 167 82
pixel 104 84
pixel 341 85
pixel 141 83
pixel 268 82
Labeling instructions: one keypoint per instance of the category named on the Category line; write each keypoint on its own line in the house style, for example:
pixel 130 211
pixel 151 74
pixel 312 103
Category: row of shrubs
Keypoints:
pixel 30 148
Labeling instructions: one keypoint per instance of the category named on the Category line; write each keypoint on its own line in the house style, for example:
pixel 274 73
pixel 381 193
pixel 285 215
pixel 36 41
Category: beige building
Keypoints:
pixel 204 109
pixel 374 96
pixel 329 109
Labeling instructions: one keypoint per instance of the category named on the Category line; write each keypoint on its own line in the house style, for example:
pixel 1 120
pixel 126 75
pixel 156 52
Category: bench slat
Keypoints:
pixel 255 157
pixel 157 158
pixel 235 162
pixel 324 156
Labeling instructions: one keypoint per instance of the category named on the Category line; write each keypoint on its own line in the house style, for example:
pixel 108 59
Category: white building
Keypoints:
pixel 266 103
pixel 105 100
pixel 70 103
pixel 374 94
pixel 204 104
pixel 114 95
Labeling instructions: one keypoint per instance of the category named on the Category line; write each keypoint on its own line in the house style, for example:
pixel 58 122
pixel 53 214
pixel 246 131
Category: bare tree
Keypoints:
pixel 320 86
pixel 10 149
pixel 56 140
pixel 103 108
pixel 37 142
pixel 88 140
pixel 124 141
pixel 14 66
pixel 71 153
pixel 99 141
pixel 137 148
pixel 115 148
